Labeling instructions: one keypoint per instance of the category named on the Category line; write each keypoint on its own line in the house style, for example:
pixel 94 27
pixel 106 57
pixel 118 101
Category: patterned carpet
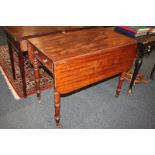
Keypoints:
pixel 45 77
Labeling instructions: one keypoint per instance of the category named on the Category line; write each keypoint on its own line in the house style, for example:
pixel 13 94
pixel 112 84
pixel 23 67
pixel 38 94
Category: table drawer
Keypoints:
pixel 44 60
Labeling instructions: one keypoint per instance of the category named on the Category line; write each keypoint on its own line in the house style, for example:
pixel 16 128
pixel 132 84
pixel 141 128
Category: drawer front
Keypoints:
pixel 44 60
pixel 85 70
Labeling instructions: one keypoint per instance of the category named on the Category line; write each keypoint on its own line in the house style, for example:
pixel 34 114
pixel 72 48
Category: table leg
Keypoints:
pixel 37 79
pixel 120 83
pixel 12 60
pixel 32 57
pixel 57 108
pixel 151 76
pixel 138 64
pixel 22 71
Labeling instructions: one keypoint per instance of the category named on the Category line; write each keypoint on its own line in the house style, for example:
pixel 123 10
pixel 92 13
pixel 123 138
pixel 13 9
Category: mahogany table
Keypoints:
pixel 16 37
pixel 80 58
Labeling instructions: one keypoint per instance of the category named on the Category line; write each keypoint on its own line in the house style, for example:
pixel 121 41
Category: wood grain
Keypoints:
pixel 80 58
pixel 24 32
pixel 17 35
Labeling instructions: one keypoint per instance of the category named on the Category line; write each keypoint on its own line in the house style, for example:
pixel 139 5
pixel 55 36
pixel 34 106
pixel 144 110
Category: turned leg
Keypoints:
pixel 120 83
pixel 151 76
pixel 57 108
pixel 31 54
pixel 138 64
pixel 37 79
pixel 22 71
pixel 12 60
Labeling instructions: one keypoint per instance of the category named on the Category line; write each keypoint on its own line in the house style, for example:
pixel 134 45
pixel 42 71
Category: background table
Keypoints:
pixel 17 38
pixel 145 36
pixel 145 46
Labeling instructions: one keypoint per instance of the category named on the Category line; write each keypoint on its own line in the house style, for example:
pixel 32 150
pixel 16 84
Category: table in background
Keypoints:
pixel 17 38
pixel 145 46
pixel 145 37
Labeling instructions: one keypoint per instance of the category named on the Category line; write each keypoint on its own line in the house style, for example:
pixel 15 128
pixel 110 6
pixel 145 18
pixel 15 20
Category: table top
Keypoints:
pixel 24 32
pixel 65 46
pixel 147 39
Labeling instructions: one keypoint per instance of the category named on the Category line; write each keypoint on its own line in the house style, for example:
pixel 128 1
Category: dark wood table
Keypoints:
pixel 17 38
pixel 152 72
pixel 145 46
pixel 80 58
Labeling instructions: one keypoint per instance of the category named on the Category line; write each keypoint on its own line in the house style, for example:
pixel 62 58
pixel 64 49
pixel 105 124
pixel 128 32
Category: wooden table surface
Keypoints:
pixel 24 32
pixel 146 39
pixel 62 47
pixel 80 58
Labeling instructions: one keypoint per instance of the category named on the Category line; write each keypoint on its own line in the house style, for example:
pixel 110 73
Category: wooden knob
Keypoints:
pixel 45 61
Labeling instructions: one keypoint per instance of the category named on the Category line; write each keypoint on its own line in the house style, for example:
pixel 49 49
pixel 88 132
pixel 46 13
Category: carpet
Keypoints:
pixel 15 86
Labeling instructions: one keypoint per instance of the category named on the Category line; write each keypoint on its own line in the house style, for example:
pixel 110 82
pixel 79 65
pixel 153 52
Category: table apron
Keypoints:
pixel 79 72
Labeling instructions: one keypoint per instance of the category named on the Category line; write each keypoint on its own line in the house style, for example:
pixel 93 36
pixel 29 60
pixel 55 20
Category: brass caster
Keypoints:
pixel 39 100
pixel 116 95
pixel 130 91
pixel 58 125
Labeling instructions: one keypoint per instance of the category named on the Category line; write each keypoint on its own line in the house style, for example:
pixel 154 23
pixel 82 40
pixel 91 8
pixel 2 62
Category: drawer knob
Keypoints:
pixel 45 61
